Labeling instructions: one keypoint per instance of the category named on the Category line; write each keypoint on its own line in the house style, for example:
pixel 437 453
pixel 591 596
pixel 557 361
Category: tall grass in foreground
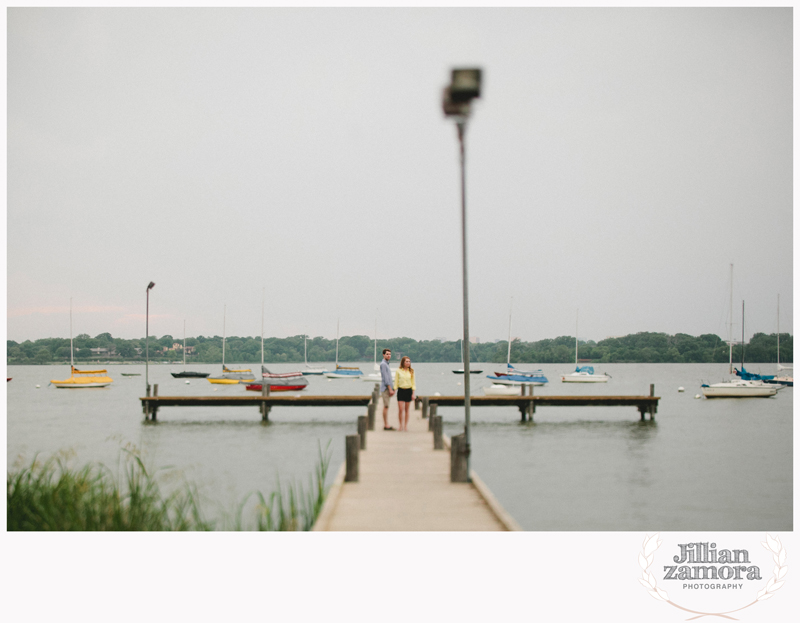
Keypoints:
pixel 52 496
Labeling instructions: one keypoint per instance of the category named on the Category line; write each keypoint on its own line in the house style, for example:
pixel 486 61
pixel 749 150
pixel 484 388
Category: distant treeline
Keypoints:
pixel 637 348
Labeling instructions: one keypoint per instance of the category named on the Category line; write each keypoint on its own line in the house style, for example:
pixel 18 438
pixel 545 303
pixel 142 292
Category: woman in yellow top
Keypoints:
pixel 406 390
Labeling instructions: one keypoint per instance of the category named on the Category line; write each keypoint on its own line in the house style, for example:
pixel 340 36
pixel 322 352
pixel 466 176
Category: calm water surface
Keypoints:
pixel 722 464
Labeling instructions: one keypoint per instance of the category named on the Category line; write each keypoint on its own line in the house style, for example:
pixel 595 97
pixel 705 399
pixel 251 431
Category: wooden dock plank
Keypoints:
pixel 404 484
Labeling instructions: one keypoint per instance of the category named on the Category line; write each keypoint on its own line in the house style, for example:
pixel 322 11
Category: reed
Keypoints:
pixel 53 496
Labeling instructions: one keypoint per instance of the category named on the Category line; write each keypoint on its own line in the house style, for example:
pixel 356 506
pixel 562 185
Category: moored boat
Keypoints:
pixel 81 379
pixel 341 372
pixel 739 388
pixel 502 390
pixel 187 374
pixel 583 374
pixel 286 382
pixel 513 376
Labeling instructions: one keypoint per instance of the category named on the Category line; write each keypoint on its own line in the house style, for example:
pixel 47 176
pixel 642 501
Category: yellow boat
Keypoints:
pixel 81 379
pixel 232 377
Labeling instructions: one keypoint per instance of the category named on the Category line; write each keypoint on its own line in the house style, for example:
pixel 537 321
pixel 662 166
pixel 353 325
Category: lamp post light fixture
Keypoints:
pixel 465 85
pixel 147 340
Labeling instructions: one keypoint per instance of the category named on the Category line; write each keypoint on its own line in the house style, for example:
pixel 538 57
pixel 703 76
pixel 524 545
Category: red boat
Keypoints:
pixel 287 382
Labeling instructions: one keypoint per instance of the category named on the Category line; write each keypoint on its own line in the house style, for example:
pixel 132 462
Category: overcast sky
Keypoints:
pixel 618 162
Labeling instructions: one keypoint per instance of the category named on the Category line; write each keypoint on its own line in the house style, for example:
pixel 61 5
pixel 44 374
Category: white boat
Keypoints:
pixel 81 379
pixel 503 390
pixel 309 371
pixel 230 377
pixel 341 372
pixel 737 387
pixel 583 374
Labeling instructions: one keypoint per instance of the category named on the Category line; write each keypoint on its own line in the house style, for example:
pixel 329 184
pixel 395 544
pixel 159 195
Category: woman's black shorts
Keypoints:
pixel 404 394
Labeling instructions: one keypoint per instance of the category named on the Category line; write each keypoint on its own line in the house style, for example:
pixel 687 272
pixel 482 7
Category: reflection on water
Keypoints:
pixel 701 465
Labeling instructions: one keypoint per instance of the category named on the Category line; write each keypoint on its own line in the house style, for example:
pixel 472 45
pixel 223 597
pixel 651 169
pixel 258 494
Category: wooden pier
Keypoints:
pixel 527 404
pixel 403 484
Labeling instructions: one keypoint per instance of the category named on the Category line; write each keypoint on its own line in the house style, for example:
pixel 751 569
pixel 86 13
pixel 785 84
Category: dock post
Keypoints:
pixel 351 443
pixel 431 415
pixel 438 442
pixel 146 403
pixel 424 407
pixel 417 403
pixel 371 414
pixel 154 410
pixel 652 406
pixel 362 430
pixel 264 406
pixel 458 458
pixel 531 405
pixel 376 393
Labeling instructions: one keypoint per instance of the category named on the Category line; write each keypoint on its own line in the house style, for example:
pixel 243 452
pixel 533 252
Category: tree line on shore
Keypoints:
pixel 635 348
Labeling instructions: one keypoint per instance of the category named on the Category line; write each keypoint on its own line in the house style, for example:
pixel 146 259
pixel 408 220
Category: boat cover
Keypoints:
pixel 750 376
pixel 584 369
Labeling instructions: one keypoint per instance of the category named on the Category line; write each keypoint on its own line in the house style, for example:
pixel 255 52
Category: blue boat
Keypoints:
pixel 513 376
pixel 750 376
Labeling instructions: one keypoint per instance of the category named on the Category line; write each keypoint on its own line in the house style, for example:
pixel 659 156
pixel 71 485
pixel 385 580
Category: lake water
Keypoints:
pixel 702 465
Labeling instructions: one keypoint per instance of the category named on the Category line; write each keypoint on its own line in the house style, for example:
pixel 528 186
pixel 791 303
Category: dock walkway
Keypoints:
pixel 404 485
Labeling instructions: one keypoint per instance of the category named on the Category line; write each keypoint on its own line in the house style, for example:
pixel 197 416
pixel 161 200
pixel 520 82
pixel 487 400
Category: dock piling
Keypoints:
pixel 438 440
pixel 458 458
pixel 154 410
pixel 351 444
pixel 362 430
pixel 431 415
pixel 425 403
pixel 371 414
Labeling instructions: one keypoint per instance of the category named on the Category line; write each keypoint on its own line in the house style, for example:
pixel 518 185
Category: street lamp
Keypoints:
pixel 465 85
pixel 147 340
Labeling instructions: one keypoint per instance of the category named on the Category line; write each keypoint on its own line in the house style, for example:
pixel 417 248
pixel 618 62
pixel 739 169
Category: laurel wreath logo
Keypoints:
pixel 776 581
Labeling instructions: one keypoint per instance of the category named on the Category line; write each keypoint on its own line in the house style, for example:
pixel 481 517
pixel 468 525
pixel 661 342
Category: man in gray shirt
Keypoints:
pixel 387 389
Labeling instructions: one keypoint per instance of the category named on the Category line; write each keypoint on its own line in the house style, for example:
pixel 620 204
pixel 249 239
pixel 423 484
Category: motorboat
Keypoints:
pixel 286 382
pixel 81 379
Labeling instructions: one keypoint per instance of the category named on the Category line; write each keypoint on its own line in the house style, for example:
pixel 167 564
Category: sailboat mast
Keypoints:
pixel 71 358
pixel 730 330
pixel 375 353
pixel 184 343
pixel 508 357
pixel 305 349
pixel 779 331
pixel 223 337
pixel 262 326
pixel 576 339
pixel 742 336
pixel 337 343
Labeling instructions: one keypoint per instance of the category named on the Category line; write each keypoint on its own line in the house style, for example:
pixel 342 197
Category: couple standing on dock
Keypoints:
pixel 406 388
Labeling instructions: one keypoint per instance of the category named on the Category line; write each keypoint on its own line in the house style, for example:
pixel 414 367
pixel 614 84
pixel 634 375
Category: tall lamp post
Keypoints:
pixel 147 340
pixel 465 85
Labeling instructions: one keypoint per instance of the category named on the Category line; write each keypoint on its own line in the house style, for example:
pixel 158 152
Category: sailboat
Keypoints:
pixel 512 375
pixel 81 379
pixel 341 372
pixel 187 374
pixel 786 379
pixel 230 377
pixel 309 371
pixel 461 369
pixel 739 387
pixel 583 374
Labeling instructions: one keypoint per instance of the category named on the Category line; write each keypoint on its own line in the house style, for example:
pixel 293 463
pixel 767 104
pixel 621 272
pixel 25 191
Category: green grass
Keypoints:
pixel 53 496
